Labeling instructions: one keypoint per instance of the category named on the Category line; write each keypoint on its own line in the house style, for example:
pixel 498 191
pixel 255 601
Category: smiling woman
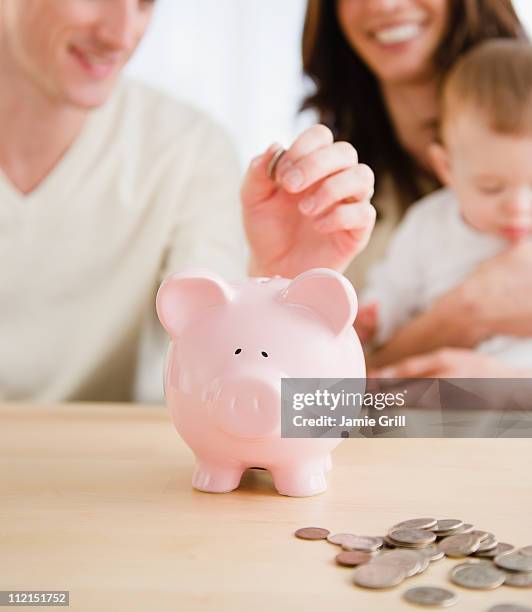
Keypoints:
pixel 398 46
pixel 377 68
pixel 354 50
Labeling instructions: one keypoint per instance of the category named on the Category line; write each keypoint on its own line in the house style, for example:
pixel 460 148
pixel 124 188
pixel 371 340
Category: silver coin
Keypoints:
pixel 417 523
pixel 519 579
pixel 483 535
pixel 460 545
pixel 364 543
pixel 490 543
pixel 339 538
pixel 410 561
pixel 481 575
pixel 424 564
pixel 509 608
pixel 274 162
pixel 391 543
pixel 414 537
pixel 375 576
pixel 445 525
pixel 432 552
pixel 501 548
pixel 430 596
pixel 526 550
pixel 465 528
pixel 445 534
pixel 515 561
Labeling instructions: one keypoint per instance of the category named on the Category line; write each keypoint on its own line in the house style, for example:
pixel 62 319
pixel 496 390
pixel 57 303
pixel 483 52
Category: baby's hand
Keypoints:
pixel 366 322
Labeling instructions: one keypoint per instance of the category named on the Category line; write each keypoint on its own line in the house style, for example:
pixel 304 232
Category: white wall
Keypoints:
pixel 239 60
pixel 524 8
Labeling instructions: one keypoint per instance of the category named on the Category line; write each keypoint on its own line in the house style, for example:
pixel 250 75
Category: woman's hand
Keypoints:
pixel 366 322
pixel 495 299
pixel 449 363
pixel 316 214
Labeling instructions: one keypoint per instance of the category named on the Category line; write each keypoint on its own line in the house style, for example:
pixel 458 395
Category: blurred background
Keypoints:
pixel 239 60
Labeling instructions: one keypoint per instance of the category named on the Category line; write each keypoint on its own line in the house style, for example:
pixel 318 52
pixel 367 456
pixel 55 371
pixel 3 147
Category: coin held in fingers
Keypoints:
pixel 274 161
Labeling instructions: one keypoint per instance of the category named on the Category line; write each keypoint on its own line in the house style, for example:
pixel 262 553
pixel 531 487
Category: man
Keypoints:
pixel 106 187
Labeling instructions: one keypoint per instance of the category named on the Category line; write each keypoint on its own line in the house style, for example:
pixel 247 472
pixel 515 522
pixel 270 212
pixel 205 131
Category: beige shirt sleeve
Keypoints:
pixel 209 229
pixel 208 233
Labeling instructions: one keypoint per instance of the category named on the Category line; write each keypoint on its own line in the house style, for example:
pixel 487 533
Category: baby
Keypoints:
pixel 485 161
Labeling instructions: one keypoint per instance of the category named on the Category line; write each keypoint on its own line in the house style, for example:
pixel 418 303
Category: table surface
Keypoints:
pixel 96 499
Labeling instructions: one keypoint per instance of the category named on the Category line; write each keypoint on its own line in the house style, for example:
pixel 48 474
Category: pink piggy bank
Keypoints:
pixel 231 343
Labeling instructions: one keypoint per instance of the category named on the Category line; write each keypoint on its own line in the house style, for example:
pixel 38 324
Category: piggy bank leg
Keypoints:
pixel 216 478
pixel 301 480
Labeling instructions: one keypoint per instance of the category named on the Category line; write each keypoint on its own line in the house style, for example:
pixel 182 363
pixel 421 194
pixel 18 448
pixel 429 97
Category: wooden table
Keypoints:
pixel 96 499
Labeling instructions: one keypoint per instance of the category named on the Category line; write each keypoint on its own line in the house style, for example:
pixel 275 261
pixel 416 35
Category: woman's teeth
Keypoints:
pixel 398 34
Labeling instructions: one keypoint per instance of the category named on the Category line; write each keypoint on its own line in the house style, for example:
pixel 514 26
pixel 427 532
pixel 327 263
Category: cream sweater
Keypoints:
pixel 149 187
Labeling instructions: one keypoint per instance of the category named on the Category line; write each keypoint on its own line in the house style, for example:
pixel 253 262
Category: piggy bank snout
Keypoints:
pixel 247 407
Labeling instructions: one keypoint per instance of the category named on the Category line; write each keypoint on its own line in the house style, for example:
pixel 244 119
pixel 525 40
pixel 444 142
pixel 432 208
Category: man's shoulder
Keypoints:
pixel 159 117
pixel 149 101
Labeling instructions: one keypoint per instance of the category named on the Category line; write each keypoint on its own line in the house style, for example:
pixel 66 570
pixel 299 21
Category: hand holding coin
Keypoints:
pixel 307 206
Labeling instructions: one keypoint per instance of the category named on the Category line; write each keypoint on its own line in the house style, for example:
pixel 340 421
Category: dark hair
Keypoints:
pixel 494 79
pixel 348 97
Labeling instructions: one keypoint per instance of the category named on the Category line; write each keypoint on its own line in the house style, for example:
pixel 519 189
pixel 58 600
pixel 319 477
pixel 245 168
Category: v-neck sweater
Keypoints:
pixel 149 187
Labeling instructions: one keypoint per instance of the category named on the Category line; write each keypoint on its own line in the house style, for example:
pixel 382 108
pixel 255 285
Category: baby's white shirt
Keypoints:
pixel 432 251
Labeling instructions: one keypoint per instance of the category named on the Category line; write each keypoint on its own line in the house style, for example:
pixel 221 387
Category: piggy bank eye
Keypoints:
pixel 238 351
pixel 264 354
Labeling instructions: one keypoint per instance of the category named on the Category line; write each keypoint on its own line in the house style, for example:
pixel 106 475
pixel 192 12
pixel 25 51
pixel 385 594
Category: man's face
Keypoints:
pixel 72 50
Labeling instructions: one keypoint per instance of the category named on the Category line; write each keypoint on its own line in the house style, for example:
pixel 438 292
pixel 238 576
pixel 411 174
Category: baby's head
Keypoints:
pixel 485 154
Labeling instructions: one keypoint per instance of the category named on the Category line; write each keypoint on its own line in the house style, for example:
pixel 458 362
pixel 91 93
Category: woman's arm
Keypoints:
pixel 316 214
pixel 450 363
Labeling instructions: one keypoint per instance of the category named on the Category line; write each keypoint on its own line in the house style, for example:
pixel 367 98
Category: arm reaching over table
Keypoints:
pixel 316 214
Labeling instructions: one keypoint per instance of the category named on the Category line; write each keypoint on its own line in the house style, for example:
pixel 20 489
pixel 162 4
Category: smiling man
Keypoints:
pixel 107 186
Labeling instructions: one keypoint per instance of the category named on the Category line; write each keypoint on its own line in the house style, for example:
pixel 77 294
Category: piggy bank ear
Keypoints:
pixel 183 295
pixel 327 293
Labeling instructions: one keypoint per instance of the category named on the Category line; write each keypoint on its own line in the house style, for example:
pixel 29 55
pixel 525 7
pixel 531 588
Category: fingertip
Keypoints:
pixel 275 146
pixel 293 179
pixel 265 156
pixel 323 226
pixel 256 161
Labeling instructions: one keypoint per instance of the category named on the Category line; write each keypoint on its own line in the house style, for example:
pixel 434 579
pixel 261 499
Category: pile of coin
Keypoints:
pixel 411 545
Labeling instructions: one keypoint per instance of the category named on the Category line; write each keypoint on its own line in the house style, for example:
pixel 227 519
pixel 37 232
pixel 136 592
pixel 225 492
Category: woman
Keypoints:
pixel 377 66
